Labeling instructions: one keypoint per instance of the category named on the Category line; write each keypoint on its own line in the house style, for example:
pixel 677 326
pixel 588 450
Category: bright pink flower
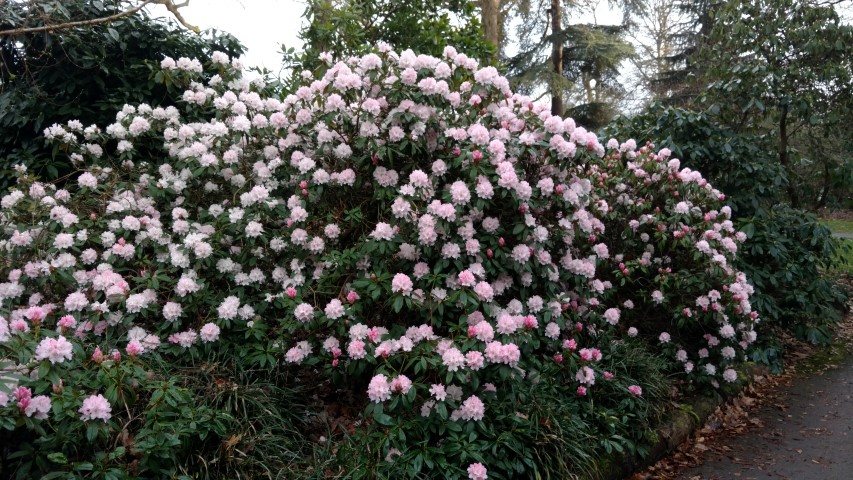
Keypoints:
pixel 134 348
pixel 466 278
pixel 352 296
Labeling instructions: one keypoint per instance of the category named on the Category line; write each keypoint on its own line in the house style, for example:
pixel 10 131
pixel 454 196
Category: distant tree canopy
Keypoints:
pixel 85 73
pixel 352 27
pixel 578 64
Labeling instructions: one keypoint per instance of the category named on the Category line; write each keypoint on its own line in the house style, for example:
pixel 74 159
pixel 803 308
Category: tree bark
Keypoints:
pixel 827 185
pixel 793 195
pixel 556 59
pixel 490 12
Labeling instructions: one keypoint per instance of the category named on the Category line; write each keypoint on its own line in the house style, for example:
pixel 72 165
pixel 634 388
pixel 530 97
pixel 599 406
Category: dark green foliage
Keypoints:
pixel 592 57
pixel 773 129
pixel 788 251
pixel 85 73
pixel 785 258
pixel 680 83
pixel 784 68
pixel 548 432
pixel 741 165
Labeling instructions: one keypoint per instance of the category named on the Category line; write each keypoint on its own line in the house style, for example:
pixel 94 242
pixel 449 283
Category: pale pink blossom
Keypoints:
pixel 95 407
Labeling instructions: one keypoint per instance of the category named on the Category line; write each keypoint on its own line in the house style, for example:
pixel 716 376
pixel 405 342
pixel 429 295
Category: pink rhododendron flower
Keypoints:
pixel 401 283
pixel 472 409
pixel 401 384
pixel 379 389
pixel 334 309
pixel 209 332
pixel 56 350
pixel 476 471
pixel 95 407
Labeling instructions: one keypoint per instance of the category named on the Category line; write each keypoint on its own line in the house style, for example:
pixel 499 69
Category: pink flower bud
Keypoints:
pixel 352 297
pixel 133 348
pixel 98 356
pixel 290 292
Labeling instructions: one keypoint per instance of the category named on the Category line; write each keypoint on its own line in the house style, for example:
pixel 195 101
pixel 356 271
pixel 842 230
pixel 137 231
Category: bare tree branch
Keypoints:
pixel 169 4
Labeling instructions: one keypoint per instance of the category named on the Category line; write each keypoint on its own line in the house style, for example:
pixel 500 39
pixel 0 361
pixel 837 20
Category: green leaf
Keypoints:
pixel 91 432
pixel 57 457
pixel 383 419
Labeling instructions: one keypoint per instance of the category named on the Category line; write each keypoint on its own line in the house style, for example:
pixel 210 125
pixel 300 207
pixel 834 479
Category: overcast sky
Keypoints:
pixel 261 25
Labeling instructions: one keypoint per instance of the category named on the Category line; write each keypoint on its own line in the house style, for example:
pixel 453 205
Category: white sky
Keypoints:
pixel 261 25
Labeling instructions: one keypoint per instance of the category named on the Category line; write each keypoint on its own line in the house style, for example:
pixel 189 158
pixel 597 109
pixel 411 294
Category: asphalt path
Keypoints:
pixel 806 435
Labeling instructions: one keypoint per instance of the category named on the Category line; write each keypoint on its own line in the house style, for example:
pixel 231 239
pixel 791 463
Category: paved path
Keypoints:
pixel 809 438
pixel 843 235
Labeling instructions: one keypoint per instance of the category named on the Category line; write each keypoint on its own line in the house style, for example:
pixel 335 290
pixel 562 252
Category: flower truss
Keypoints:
pixel 402 218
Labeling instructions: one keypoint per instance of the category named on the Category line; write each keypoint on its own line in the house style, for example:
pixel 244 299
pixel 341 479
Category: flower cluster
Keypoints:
pixel 400 216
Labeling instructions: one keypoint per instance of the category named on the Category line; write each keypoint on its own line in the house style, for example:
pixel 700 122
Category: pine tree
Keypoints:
pixel 576 64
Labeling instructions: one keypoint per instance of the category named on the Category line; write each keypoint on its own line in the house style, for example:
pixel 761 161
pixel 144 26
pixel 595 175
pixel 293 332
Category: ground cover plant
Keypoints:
pixel 467 285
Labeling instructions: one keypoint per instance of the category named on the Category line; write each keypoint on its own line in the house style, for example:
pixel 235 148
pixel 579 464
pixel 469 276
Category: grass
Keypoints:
pixel 839 225
pixel 844 255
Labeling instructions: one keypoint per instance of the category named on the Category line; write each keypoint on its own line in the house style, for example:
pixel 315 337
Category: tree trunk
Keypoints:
pixel 490 12
pixel 827 185
pixel 556 59
pixel 785 161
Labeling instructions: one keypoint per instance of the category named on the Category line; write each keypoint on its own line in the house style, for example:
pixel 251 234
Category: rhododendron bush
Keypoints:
pixel 403 229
